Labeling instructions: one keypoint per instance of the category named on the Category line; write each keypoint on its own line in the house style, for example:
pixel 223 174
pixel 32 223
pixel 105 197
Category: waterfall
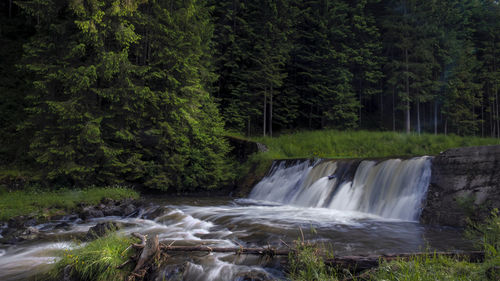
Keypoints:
pixel 392 188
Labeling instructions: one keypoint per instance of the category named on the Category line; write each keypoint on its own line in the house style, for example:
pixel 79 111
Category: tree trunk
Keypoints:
pixel 393 108
pixel 435 117
pixel 498 116
pixel 381 110
pixel 482 116
pixel 265 112
pixel 248 127
pixel 407 93
pixel 10 9
pixel 271 113
pixel 418 116
pixel 310 116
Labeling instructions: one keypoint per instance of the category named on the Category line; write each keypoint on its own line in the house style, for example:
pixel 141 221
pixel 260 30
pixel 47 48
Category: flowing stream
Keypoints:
pixel 353 207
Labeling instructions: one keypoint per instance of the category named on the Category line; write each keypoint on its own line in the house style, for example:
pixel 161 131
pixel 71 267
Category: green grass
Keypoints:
pixel 97 260
pixel 307 264
pixel 431 267
pixel 354 144
pixel 46 203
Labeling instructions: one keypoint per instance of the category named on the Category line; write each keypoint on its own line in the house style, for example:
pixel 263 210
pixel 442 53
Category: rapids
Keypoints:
pixel 364 207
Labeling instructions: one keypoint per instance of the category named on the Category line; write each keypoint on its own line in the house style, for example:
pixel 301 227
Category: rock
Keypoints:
pixel 64 225
pixel 243 148
pixel 160 211
pixel 128 210
pixel 112 210
pixel 253 276
pixel 16 222
pixel 465 182
pixel 171 272
pixel 30 222
pixel 108 201
pixel 90 212
pixel 102 229
pixel 30 233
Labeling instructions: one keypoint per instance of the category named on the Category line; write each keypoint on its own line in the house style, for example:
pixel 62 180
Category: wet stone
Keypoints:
pixel 253 276
pixel 102 229
pixel 89 213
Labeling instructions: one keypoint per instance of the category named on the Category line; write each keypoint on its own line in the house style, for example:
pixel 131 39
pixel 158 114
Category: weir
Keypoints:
pixel 393 188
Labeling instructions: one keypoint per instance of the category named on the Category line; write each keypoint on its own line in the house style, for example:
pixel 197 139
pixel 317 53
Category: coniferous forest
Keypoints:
pixel 107 92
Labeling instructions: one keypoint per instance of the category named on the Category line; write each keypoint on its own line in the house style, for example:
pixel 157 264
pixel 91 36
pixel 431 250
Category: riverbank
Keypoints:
pixel 308 263
pixel 42 204
pixel 362 144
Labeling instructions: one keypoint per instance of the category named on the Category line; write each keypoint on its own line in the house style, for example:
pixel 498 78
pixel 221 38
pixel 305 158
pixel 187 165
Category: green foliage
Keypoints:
pixel 429 267
pixel 487 235
pixel 433 267
pixel 306 263
pixel 43 203
pixel 118 95
pixel 351 144
pixel 97 260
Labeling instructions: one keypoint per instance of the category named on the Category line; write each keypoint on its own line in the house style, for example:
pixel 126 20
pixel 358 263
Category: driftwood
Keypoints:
pixel 268 251
pixel 149 251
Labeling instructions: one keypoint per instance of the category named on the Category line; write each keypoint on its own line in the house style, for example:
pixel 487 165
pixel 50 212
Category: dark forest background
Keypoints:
pixel 107 92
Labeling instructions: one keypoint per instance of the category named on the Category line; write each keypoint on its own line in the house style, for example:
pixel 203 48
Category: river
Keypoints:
pixel 363 208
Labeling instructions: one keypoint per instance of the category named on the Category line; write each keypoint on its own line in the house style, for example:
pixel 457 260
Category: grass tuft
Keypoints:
pixel 96 260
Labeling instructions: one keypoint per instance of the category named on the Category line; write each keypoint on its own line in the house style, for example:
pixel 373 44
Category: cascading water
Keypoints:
pixel 392 189
pixel 343 201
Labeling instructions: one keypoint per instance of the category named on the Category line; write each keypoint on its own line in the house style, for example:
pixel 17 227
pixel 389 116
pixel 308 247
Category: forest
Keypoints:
pixel 136 91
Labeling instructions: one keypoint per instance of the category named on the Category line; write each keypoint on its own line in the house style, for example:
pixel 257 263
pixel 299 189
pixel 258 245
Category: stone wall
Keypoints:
pixel 465 183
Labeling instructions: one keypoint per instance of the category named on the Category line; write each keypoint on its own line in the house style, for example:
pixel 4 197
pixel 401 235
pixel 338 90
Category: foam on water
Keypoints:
pixel 392 189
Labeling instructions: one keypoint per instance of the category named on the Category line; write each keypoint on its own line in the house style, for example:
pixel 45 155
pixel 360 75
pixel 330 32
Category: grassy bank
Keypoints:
pixel 46 203
pixel 308 264
pixel 353 144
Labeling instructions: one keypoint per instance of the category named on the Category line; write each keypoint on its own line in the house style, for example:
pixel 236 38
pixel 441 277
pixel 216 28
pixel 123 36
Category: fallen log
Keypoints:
pixel 237 250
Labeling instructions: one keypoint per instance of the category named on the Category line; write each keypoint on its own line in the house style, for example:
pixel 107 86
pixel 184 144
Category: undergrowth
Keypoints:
pixel 42 203
pixel 353 144
pixel 96 261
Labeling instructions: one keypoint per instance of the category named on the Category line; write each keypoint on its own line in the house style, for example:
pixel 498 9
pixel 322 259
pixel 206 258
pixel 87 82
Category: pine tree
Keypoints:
pixel 119 95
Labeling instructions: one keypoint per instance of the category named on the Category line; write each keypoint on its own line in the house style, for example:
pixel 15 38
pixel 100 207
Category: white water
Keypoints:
pixel 354 212
pixel 392 189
